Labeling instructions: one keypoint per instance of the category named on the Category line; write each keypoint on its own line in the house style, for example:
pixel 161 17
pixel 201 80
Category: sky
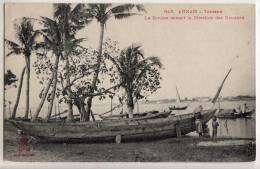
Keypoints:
pixel 196 54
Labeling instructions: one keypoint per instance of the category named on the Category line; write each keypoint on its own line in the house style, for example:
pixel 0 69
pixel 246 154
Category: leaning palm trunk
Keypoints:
pixel 55 79
pixel 95 78
pixel 27 106
pixel 18 94
pixel 70 105
pixel 44 95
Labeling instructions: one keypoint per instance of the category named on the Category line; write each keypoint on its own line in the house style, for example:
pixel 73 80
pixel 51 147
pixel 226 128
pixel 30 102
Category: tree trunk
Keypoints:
pixel 18 94
pixel 111 105
pixel 95 78
pixel 35 116
pixel 55 78
pixel 70 116
pixel 27 106
pixel 82 111
pixel 130 111
pixel 130 104
pixel 70 105
pixel 92 115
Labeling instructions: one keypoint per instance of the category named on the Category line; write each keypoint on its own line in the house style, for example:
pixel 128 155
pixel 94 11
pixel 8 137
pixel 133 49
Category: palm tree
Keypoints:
pixel 52 42
pixel 138 75
pixel 59 37
pixel 71 21
pixel 102 13
pixel 26 36
pixel 18 94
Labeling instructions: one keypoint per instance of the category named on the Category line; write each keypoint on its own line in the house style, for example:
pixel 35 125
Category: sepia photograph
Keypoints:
pixel 129 82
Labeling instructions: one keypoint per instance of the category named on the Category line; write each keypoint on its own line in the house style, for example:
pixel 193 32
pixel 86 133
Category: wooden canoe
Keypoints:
pixel 178 108
pixel 106 130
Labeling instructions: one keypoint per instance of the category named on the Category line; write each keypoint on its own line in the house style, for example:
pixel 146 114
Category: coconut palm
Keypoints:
pixel 51 41
pixel 102 13
pixel 138 75
pixel 59 37
pixel 26 36
pixel 71 20
pixel 18 94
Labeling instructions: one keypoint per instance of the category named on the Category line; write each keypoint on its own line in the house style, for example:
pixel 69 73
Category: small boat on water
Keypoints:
pixel 178 102
pixel 229 113
pixel 178 108
pixel 144 115
pixel 107 130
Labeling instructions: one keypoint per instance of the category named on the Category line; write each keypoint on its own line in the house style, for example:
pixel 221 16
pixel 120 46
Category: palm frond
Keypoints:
pixel 31 40
pixel 47 22
pixel 11 44
pixel 142 72
pixel 114 61
pixel 39 45
pixel 150 61
pixel 124 15
pixel 80 16
pixel 61 10
pixel 93 9
pixel 16 52
pixel 79 40
pixel 13 47
pixel 79 8
pixel 24 30
pixel 122 8
pixel 140 8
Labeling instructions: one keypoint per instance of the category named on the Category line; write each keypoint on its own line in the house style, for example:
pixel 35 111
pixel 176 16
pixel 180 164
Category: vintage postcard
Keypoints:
pixel 95 82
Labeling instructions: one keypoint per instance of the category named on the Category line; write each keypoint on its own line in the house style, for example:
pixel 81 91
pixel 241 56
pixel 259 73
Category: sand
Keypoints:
pixel 225 143
pixel 188 148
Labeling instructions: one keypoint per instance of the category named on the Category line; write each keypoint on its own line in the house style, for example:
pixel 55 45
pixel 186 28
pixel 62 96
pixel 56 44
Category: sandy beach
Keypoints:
pixel 188 148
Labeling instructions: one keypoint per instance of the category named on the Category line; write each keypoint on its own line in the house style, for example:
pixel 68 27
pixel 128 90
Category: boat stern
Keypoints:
pixel 208 114
pixel 20 125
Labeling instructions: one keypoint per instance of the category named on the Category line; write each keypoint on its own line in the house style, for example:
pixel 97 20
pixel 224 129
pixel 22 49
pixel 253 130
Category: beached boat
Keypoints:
pixel 107 130
pixel 229 113
pixel 143 115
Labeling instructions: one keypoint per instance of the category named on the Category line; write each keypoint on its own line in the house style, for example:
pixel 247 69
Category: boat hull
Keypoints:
pixel 227 113
pixel 178 108
pixel 139 116
pixel 106 131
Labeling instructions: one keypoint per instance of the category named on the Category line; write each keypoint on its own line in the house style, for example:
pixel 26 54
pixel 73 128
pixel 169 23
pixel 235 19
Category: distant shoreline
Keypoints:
pixel 201 99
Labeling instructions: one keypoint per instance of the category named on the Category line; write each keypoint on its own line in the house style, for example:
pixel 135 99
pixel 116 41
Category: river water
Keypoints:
pixel 236 128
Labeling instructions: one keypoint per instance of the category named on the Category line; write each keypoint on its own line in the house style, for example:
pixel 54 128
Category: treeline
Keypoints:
pixel 74 74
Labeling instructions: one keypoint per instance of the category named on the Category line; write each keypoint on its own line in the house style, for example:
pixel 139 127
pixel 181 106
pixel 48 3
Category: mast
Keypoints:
pixel 178 96
pixel 220 88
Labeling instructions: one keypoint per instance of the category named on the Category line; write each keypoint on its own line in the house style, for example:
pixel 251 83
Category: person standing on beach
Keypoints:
pixel 199 128
pixel 198 109
pixel 215 125
pixel 198 121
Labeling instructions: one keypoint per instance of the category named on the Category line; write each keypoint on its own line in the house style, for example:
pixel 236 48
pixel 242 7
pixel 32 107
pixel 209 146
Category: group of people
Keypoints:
pixel 199 125
pixel 215 124
pixel 240 110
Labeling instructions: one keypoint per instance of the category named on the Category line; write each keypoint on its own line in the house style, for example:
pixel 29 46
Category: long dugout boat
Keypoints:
pixel 107 131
